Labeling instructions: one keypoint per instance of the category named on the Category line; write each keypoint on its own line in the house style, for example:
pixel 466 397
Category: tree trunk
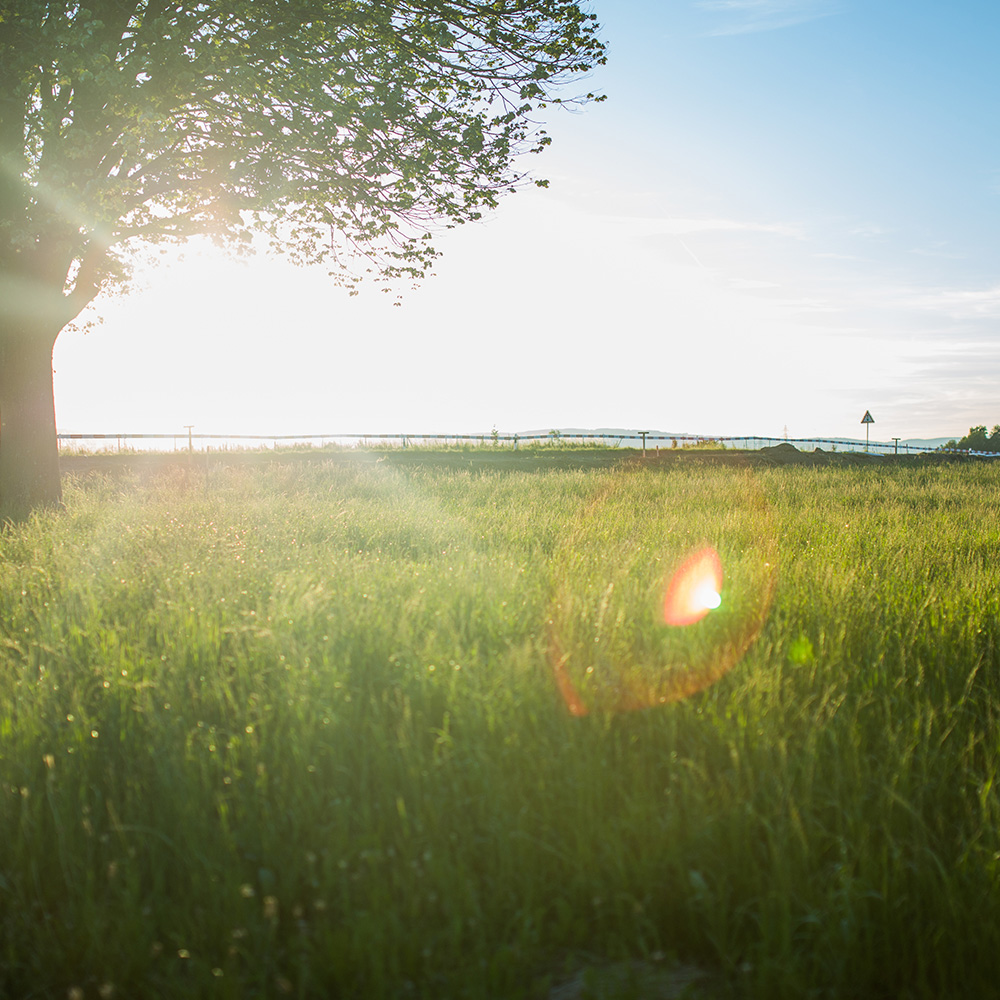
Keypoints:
pixel 29 449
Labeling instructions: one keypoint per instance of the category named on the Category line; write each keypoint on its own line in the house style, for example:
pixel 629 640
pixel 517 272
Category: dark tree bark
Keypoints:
pixel 29 453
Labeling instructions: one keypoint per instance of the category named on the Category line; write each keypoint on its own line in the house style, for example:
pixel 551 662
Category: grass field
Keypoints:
pixel 297 731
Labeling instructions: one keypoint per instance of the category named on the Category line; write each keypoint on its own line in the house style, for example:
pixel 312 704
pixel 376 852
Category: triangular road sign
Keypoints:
pixel 867 418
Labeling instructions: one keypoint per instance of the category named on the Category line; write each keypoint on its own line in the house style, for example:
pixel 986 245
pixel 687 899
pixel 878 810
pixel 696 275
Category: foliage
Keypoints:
pixel 976 440
pixel 705 444
pixel 293 730
pixel 332 127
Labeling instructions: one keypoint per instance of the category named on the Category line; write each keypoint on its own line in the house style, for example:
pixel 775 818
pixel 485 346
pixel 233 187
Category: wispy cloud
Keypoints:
pixel 960 303
pixel 742 17
pixel 830 255
pixel 938 250
pixel 869 230
pixel 751 284
pixel 687 226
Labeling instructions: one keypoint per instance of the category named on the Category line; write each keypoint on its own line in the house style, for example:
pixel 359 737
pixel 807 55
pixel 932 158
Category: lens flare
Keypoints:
pixel 695 589
pixel 641 613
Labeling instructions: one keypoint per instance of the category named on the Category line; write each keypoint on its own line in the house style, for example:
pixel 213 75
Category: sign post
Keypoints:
pixel 867 419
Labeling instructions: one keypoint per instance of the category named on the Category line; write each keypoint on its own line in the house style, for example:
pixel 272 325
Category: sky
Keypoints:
pixel 784 214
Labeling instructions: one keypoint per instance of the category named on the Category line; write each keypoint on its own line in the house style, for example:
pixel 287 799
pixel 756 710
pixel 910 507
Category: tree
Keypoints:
pixel 976 440
pixel 340 129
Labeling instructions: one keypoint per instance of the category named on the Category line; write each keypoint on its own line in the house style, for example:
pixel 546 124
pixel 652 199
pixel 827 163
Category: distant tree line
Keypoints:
pixel 977 440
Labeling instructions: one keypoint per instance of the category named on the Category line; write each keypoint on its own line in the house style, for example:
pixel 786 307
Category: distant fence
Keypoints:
pixel 630 439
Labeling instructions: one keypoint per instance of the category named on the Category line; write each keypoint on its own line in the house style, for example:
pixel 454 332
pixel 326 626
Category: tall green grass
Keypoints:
pixel 296 732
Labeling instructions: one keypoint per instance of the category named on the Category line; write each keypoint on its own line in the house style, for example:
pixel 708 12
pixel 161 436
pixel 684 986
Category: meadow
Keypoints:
pixel 302 729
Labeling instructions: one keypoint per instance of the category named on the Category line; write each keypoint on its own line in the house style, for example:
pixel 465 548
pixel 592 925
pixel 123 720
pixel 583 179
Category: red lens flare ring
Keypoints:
pixel 661 586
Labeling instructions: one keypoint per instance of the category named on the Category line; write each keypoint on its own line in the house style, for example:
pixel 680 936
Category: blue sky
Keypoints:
pixel 785 213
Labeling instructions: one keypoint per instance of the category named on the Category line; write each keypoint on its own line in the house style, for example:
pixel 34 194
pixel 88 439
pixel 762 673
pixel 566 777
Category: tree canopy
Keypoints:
pixel 137 120
pixel 338 128
pixel 977 440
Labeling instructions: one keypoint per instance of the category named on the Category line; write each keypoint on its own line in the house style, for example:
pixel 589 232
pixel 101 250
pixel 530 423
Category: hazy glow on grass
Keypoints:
pixel 325 809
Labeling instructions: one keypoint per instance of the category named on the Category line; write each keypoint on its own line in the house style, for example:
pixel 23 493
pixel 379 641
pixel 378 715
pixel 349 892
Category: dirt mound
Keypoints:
pixel 785 454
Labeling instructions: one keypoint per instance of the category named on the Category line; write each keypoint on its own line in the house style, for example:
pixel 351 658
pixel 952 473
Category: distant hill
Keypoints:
pixel 630 436
pixel 627 433
pixel 926 442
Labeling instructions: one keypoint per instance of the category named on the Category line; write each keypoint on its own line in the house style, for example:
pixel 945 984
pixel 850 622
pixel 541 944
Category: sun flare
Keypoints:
pixel 695 589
